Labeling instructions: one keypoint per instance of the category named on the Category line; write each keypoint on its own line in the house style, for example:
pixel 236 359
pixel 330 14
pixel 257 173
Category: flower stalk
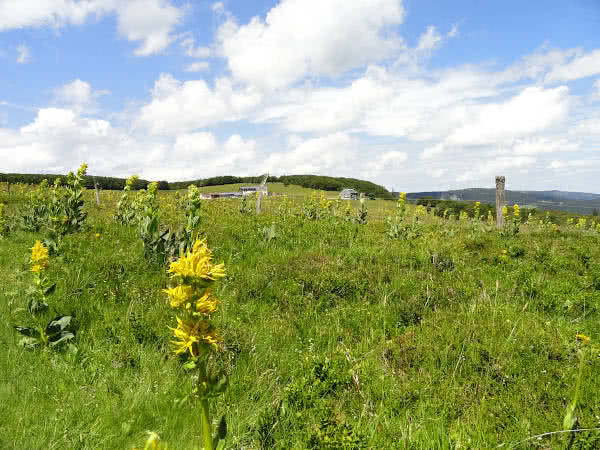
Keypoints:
pixel 192 276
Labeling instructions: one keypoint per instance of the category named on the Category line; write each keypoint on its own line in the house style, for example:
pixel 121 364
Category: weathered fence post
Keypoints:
pixel 97 193
pixel 258 197
pixel 499 202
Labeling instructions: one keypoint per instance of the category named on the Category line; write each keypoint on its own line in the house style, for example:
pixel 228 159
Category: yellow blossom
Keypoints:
pixel 191 334
pixel 197 264
pixel 583 338
pixel 180 295
pixel 39 257
pixel 97 235
pixel 206 304
pixel 82 170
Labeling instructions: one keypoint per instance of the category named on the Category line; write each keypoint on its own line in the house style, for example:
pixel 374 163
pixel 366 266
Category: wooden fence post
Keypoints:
pixel 258 198
pixel 499 202
pixel 97 193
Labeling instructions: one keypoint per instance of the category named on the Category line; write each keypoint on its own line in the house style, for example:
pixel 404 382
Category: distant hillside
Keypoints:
pixel 576 202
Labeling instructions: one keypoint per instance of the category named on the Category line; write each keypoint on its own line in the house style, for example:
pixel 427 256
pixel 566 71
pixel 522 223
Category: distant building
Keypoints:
pixel 247 190
pixel 349 194
pixel 213 195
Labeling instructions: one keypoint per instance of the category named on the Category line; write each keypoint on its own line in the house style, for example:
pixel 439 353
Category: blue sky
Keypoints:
pixel 414 94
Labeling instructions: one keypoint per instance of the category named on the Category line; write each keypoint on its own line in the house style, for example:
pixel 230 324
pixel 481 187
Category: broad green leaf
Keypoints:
pixel 60 323
pixel 27 331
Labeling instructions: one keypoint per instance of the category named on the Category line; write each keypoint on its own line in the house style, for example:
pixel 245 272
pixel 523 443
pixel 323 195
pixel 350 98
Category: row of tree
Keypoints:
pixel 108 183
pixel 308 181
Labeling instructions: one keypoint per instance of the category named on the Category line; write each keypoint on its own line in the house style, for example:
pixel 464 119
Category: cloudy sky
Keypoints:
pixel 410 94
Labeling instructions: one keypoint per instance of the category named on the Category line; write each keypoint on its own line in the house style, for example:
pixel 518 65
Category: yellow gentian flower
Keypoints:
pixel 206 304
pixel 39 256
pixel 197 264
pixel 191 334
pixel 583 338
pixel 180 295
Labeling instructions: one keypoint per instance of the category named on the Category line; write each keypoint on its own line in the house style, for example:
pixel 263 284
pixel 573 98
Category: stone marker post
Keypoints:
pixel 499 202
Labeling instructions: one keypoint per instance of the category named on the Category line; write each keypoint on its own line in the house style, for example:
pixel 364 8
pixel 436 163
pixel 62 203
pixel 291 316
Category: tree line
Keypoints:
pixel 324 183
pixel 108 183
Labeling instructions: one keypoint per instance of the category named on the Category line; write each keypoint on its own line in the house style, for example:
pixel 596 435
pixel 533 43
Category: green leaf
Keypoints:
pixel 50 289
pixel 190 365
pixel 27 331
pixel 29 342
pixel 222 428
pixel 36 307
pixel 61 338
pixel 59 324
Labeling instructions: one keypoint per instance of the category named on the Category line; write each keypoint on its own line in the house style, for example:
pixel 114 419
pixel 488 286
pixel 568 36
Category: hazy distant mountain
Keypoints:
pixel 578 202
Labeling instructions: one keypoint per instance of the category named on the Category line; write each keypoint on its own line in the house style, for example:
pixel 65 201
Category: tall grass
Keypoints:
pixel 335 335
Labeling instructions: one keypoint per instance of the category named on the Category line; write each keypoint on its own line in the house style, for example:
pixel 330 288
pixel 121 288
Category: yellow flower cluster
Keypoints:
pixel 585 340
pixel 191 334
pixel 516 211
pixel 196 266
pixel 82 170
pixel 131 180
pixel 194 272
pixel 39 257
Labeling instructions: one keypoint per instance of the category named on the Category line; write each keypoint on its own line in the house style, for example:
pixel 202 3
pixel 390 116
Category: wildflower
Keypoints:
pixel 505 210
pixel 153 442
pixel 197 264
pixel 206 304
pixel 180 295
pixel 585 340
pixel 37 268
pixel 97 235
pixel 152 188
pixel 131 180
pixel 82 170
pixel 192 334
pixel 39 256
pixel 516 211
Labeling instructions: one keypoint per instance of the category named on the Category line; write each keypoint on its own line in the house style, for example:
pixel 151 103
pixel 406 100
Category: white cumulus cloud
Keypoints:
pixel 150 22
pixel 78 95
pixel 179 107
pixel 314 37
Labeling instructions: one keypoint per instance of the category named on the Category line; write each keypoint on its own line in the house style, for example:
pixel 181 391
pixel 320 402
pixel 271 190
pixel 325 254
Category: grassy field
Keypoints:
pixel 334 334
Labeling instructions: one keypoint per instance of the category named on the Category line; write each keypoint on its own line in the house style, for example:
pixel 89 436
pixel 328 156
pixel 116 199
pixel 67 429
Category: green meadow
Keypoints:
pixel 450 335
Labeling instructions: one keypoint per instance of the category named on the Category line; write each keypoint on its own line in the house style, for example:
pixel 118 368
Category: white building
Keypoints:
pixel 349 194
